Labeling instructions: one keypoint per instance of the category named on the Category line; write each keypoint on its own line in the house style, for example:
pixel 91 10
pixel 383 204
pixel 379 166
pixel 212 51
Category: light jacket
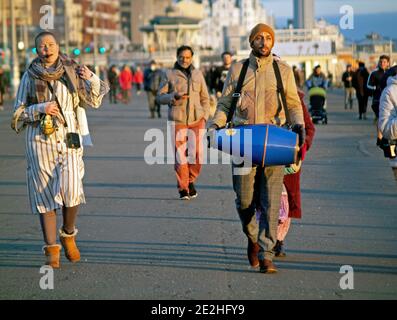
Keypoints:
pixel 184 111
pixel 387 123
pixel 259 101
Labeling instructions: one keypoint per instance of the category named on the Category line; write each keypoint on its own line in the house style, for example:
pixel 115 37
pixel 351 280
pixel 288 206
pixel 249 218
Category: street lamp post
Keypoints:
pixel 5 28
pixel 14 58
pixel 391 50
pixel 94 34
pixel 66 26
pixel 25 32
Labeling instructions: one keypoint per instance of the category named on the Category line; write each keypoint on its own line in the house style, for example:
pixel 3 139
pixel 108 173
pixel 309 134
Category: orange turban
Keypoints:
pixel 259 28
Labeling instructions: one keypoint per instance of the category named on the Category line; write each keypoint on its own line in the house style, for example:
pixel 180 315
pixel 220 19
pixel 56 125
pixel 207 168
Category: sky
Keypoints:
pixel 283 8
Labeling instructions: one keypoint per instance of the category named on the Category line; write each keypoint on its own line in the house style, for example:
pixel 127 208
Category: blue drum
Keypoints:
pixel 260 144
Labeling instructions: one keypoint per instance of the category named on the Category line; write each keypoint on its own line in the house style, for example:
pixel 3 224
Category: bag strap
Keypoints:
pixel 280 90
pixel 237 93
pixel 59 105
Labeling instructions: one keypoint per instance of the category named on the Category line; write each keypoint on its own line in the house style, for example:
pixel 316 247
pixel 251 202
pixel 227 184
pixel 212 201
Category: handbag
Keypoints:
pixel 19 123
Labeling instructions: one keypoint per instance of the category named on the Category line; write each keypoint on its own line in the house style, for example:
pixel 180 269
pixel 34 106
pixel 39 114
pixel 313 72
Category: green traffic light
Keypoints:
pixel 87 49
pixel 102 50
pixel 76 52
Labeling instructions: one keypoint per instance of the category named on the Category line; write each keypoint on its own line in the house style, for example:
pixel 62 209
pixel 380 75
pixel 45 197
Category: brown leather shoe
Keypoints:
pixel 252 253
pixel 267 266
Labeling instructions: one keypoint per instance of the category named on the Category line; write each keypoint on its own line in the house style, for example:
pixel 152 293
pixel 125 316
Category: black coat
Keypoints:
pixel 360 80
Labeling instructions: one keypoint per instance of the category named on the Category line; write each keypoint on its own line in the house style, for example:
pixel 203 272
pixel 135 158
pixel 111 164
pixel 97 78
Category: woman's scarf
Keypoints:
pixel 64 70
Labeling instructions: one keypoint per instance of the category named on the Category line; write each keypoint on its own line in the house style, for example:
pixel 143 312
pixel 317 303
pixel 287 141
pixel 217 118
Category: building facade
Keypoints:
pixel 304 14
pixel 228 22
pixel 102 18
pixel 137 13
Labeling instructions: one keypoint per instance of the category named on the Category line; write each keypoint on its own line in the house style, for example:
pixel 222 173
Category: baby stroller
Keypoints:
pixel 318 105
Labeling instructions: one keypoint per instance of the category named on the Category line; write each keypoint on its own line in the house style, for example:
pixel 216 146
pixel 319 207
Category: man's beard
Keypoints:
pixel 259 53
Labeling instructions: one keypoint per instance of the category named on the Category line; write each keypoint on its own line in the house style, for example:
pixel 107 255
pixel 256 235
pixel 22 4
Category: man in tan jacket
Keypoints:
pixel 260 189
pixel 184 90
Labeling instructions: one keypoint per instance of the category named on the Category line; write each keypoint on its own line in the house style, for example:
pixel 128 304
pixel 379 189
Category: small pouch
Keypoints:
pixel 47 124
pixel 73 140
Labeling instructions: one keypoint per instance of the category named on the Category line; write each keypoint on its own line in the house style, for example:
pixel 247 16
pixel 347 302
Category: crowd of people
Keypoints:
pixel 365 85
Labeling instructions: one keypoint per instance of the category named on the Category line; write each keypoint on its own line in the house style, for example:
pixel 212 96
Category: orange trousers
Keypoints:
pixel 188 153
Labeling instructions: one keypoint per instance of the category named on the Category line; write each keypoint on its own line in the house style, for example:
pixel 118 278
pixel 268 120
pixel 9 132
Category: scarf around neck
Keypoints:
pixel 64 71
pixel 187 71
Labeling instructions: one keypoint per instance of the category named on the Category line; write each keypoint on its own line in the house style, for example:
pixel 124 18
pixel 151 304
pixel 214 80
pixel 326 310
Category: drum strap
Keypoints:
pixel 281 92
pixel 237 93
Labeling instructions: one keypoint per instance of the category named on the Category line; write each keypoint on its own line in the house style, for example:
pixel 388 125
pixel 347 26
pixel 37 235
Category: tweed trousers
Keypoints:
pixel 259 190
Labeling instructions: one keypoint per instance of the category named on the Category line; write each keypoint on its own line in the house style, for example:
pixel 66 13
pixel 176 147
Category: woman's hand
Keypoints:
pixel 84 72
pixel 51 108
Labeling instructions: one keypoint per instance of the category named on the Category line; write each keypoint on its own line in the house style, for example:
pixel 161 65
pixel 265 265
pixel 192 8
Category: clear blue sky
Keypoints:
pixel 283 8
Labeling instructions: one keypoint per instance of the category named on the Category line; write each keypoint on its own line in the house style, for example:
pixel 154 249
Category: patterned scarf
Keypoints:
pixel 65 72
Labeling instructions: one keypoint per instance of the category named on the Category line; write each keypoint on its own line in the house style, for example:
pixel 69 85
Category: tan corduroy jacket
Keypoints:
pixel 185 111
pixel 259 102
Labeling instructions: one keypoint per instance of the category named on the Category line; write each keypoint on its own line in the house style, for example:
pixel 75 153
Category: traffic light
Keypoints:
pixel 87 50
pixel 102 50
pixel 76 51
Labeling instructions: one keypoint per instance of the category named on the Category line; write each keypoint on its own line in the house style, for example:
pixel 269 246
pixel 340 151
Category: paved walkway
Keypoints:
pixel 138 241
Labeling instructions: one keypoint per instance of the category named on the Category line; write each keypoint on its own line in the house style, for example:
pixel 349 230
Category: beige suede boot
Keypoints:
pixel 52 253
pixel 69 245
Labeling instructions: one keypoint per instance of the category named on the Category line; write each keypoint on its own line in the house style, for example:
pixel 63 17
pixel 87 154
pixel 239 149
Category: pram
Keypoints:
pixel 318 104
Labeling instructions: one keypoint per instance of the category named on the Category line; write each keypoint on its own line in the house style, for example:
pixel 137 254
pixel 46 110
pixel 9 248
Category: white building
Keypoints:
pixel 322 32
pixel 227 22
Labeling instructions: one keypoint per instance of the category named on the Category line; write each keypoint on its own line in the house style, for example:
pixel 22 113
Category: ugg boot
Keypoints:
pixel 69 244
pixel 52 253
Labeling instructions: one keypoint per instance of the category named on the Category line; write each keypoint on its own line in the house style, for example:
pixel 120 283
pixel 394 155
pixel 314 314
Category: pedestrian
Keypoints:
pixel 388 110
pixel 3 86
pixel 391 72
pixel 113 78
pixel 317 79
pixel 330 80
pixel 125 81
pixel 347 79
pixel 137 79
pixel 151 84
pixel 387 123
pixel 184 90
pixel 375 90
pixel 219 75
pixel 297 76
pixel 360 79
pixel 292 198
pixel 259 103
pixel 49 101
